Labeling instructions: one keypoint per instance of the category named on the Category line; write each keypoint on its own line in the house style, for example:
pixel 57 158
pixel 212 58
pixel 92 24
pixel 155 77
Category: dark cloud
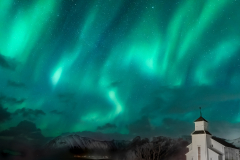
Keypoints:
pixel 224 129
pixel 114 84
pixel 56 112
pixel 15 84
pixel 11 100
pixel 185 99
pixel 24 128
pixel 174 127
pixel 5 63
pixel 140 126
pixel 106 126
pixel 153 107
pixel 4 114
pixel 169 127
pixel 25 139
pixel 29 113
pixel 65 97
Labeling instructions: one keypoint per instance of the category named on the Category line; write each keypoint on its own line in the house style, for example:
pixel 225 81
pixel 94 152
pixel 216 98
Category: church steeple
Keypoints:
pixel 201 124
pixel 200 112
pixel 200 118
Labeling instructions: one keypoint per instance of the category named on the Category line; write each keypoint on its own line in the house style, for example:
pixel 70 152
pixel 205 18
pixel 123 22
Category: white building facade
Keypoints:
pixel 206 147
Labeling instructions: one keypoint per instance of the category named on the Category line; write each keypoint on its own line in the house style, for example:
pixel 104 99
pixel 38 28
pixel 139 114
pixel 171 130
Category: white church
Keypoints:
pixel 206 147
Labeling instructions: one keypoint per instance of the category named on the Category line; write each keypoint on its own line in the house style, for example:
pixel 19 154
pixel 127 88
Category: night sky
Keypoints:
pixel 120 67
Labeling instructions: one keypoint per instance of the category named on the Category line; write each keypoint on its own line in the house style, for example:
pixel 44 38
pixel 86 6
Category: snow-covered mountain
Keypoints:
pixel 235 142
pixel 84 143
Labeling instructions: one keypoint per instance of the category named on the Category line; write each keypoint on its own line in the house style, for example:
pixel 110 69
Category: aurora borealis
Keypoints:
pixel 134 67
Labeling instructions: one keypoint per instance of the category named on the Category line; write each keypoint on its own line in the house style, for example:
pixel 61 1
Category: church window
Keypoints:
pixel 199 153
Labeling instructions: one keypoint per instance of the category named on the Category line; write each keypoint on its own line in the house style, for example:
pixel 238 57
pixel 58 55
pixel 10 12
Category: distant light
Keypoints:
pixel 56 76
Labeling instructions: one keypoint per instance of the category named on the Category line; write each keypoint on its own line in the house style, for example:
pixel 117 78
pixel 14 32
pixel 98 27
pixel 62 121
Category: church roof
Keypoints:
pixel 223 142
pixel 200 119
pixel 201 132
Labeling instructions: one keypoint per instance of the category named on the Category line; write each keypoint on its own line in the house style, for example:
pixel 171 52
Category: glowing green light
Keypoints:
pixel 56 76
pixel 112 96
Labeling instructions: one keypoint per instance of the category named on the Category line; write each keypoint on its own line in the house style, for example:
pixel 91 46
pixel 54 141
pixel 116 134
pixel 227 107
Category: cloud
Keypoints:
pixel 185 99
pixel 169 127
pixel 65 97
pixel 4 114
pixel 224 129
pixel 24 128
pixel 153 108
pixel 25 138
pixel 29 113
pixel 114 84
pixel 174 127
pixel 16 84
pixel 11 100
pixel 56 112
pixel 5 63
pixel 140 126
pixel 106 126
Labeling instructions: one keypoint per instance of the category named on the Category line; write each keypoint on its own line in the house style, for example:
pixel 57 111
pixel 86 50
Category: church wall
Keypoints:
pixel 208 139
pixel 213 155
pixel 231 154
pixel 216 146
pixel 189 156
pixel 199 140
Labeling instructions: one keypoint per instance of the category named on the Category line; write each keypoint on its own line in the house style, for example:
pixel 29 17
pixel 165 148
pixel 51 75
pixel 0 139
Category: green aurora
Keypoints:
pixel 135 67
